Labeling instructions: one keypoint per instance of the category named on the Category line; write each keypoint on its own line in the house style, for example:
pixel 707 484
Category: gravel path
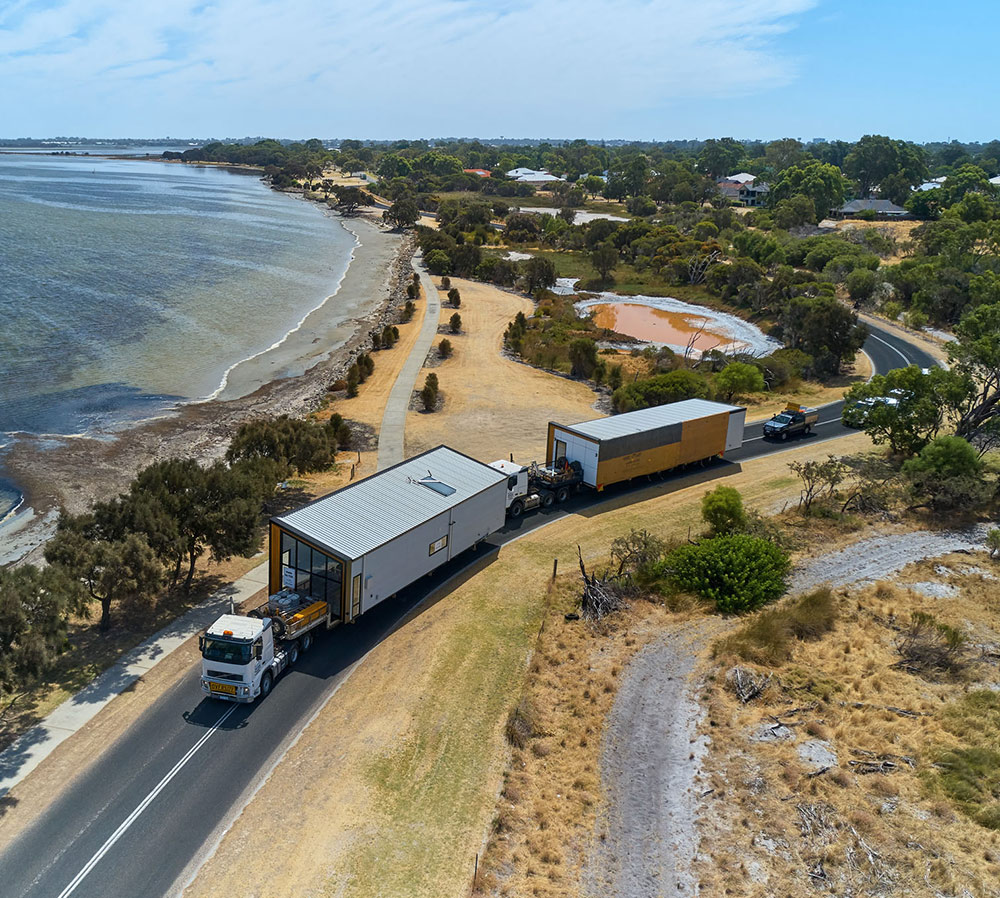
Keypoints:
pixel 649 761
pixel 879 557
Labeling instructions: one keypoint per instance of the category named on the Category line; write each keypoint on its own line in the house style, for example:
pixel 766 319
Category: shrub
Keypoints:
pixel 947 474
pixel 892 310
pixel 770 636
pixel 660 389
pixel 993 542
pixel 614 377
pixel 432 381
pixel 737 572
pixel 429 398
pixel 915 319
pixel 455 323
pixel 582 357
pixel 454 297
pixel 444 348
pixel 445 283
pixel 722 509
pixel 389 336
pixel 861 284
pixel 438 262
pixel 408 310
pixel 353 378
pixel 411 290
pixel 738 379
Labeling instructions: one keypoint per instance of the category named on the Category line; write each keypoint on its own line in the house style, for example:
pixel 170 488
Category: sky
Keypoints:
pixel 628 69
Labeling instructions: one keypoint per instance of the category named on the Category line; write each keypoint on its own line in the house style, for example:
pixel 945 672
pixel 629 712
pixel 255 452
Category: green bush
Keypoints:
pixel 722 509
pixel 444 348
pixel 661 389
pixel 455 323
pixel 892 310
pixel 737 572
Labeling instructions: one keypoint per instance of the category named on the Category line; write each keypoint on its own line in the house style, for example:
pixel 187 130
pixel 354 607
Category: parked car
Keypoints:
pixel 856 413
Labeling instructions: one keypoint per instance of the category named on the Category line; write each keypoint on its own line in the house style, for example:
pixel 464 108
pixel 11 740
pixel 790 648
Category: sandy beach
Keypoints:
pixel 291 377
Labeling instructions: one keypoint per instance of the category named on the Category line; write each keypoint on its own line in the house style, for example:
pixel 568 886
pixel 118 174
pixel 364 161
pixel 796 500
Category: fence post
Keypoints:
pixel 555 567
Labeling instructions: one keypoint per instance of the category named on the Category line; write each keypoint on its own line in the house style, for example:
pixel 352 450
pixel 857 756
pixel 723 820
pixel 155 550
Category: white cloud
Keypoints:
pixel 379 69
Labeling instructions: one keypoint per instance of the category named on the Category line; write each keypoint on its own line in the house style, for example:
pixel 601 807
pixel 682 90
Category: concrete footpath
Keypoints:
pixel 390 435
pixel 24 755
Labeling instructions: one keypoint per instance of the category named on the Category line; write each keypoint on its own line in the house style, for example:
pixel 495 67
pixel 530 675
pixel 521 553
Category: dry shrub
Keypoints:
pixel 928 646
pixel 522 724
pixel 769 638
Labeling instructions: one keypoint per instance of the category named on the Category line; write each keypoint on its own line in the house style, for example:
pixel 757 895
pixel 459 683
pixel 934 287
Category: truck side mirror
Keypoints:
pixel 201 643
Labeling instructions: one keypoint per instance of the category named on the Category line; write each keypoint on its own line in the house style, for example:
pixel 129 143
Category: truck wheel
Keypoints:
pixel 516 508
pixel 307 642
pixel 293 653
pixel 266 682
pixel 809 430
pixel 562 494
pixel 548 500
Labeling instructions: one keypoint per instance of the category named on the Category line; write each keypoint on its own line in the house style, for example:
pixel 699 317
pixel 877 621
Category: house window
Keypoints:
pixel 438 545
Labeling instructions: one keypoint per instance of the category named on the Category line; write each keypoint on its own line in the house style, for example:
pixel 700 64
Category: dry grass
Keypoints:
pixel 493 406
pixel 769 824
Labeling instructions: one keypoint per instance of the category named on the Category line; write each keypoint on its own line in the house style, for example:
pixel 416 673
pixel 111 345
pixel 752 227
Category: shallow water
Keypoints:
pixel 127 286
pixel 660 326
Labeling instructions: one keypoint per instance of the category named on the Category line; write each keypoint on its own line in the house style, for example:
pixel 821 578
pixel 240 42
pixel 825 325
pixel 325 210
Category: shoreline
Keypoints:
pixel 89 469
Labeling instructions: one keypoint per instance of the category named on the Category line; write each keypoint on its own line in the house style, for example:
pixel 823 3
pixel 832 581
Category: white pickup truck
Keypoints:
pixel 242 655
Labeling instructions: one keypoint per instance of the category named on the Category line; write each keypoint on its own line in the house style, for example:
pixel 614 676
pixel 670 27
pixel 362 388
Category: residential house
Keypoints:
pixel 882 208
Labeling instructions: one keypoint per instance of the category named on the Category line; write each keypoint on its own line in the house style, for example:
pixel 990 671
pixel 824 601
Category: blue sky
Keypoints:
pixel 644 69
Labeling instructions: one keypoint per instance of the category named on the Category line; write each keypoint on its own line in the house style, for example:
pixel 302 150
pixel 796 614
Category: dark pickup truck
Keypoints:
pixel 795 419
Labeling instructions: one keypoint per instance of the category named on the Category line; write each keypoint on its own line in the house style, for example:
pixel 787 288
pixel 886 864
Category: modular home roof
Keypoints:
pixel 365 515
pixel 649 418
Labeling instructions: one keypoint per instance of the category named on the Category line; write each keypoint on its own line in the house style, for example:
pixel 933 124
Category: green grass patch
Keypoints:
pixel 770 637
pixel 970 774
pixel 438 779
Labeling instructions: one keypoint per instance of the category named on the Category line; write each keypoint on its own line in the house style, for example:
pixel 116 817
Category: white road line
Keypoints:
pixel 128 821
pixel 898 352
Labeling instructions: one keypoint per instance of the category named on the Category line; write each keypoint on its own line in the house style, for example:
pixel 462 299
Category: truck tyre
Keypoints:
pixel 809 430
pixel 562 494
pixel 266 682
pixel 516 508
pixel 307 641
pixel 293 653
pixel 548 500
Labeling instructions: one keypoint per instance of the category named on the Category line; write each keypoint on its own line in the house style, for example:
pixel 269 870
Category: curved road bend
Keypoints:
pixel 139 819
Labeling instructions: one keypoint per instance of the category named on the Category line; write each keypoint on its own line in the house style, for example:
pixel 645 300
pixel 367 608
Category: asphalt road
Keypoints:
pixel 138 820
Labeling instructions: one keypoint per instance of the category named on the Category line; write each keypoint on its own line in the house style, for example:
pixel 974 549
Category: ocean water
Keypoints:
pixel 127 287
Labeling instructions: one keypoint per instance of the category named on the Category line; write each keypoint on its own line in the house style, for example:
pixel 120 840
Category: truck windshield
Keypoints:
pixel 226 651
pixel 782 419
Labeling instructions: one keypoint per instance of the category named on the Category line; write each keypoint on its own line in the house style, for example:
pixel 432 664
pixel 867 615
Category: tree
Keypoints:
pixel 921 404
pixel 403 213
pixel 738 572
pixel 593 184
pixel 722 509
pixel 604 259
pixel 976 354
pixel 428 396
pixel 823 184
pixel 455 323
pixel 861 283
pixel 34 607
pixel 353 379
pixel 454 297
pixel 948 474
pixel 538 273
pixel 119 571
pixel 823 328
pixel 444 348
pixel 439 262
pixel 738 379
pixel 875 158
pixel 721 157
pixel 582 357
pixel 659 390
pixel 784 153
pixel 349 198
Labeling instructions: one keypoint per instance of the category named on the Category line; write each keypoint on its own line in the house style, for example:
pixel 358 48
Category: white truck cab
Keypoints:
pixel 517 479
pixel 235 652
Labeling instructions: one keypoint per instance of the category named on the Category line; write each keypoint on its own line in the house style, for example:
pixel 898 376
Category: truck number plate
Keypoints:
pixel 228 688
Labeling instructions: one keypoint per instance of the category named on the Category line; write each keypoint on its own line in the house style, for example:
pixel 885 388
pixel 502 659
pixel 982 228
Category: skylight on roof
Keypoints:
pixel 439 486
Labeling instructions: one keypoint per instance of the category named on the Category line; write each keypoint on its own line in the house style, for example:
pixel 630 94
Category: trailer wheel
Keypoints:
pixel 562 494
pixel 266 682
pixel 516 508
pixel 307 641
pixel 548 500
pixel 293 653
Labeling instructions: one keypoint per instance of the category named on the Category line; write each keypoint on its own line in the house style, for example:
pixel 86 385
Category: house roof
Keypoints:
pixel 482 172
pixel 649 418
pixel 884 206
pixel 530 174
pixel 364 515
pixel 744 177
pixel 995 181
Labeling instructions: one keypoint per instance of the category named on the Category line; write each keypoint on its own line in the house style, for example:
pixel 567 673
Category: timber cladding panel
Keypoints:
pixel 704 437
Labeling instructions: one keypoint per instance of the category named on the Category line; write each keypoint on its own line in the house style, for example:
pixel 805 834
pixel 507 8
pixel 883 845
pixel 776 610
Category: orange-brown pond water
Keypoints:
pixel 662 326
